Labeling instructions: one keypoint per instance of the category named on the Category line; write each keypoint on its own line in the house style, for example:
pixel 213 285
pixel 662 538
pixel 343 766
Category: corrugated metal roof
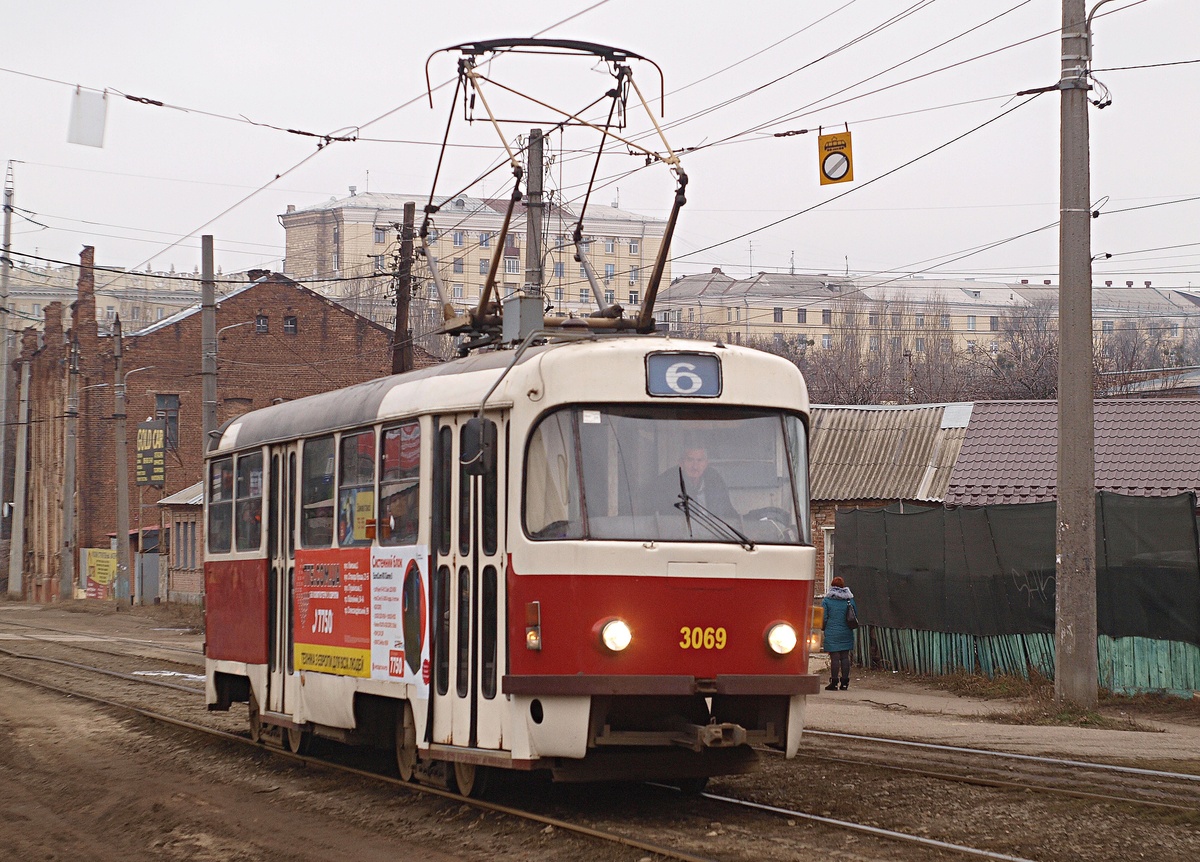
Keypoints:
pixel 885 453
pixel 192 495
pixel 1144 447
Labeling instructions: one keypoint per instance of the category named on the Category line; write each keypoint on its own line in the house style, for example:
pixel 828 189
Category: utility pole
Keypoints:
pixel 67 566
pixel 5 266
pixel 1076 675
pixel 208 340
pixel 122 468
pixel 533 217
pixel 16 551
pixel 402 353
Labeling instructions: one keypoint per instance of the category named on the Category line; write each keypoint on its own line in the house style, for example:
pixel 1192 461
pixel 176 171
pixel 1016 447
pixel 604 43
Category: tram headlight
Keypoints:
pixel 615 635
pixel 781 638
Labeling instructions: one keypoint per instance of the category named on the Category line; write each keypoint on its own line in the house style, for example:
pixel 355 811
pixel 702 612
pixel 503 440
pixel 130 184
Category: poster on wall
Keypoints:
pixel 98 567
pixel 363 612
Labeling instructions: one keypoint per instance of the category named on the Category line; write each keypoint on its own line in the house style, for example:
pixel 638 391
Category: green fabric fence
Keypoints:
pixel 1127 665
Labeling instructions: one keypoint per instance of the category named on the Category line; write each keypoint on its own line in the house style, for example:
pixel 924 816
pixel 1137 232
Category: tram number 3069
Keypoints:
pixel 698 638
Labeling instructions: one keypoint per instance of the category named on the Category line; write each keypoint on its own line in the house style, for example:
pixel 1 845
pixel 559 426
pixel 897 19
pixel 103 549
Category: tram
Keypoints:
pixel 582 548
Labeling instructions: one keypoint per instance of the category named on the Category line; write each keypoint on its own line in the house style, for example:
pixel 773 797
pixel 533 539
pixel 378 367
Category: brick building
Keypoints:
pixel 276 340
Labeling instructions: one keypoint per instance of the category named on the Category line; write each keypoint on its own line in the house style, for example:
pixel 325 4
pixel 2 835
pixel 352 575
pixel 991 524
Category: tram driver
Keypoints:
pixel 700 481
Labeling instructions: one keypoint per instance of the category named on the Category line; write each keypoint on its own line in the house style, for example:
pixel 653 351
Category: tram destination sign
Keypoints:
pixel 683 375
pixel 151 464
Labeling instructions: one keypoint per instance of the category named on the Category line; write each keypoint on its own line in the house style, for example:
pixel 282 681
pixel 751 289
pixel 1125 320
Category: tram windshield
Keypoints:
pixel 668 473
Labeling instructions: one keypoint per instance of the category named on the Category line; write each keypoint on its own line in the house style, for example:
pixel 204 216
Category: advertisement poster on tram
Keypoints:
pixel 364 612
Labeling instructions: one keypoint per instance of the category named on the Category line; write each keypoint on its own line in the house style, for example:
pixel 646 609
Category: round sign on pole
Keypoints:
pixel 835 166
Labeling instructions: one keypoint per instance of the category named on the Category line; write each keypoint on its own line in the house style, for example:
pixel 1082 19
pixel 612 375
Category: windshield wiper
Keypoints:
pixel 709 519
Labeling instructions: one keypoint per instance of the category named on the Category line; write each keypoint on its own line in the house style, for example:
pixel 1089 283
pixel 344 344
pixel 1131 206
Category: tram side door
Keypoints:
pixel 281 555
pixel 468 591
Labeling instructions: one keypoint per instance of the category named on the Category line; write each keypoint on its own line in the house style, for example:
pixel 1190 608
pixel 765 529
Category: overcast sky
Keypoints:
pixel 736 75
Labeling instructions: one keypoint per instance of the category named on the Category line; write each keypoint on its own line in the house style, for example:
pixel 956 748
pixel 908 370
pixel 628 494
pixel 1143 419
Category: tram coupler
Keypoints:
pixel 715 735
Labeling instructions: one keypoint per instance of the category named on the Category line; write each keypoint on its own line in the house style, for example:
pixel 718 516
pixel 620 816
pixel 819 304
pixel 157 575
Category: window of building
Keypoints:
pixel 583 295
pixel 1106 326
pixel 777 315
pixel 484 265
pixel 290 324
pixel 609 297
pixel 1174 329
pixel 512 265
pixel 399 492
pixel 919 320
pixel 634 297
pixel 802 315
pixel 994 347
pixel 944 345
pixel 456 291
pixel 873 344
pixel 994 323
pixel 609 271
pixel 826 341
pixel 558 294
pixel 691 315
pixel 356 489
pixel 159 313
pixel 872 318
pixel 337 261
pixel 485 240
pixel 248 534
pixel 970 323
pixel 316 493
pixel 582 271
pixel 827 316
pixel 945 321
pixel 459 239
pixel 559 269
pixel 37 309
pixel 920 345
pixel 970 347
pixel 380 262
pixel 894 345
pixel 635 274
pixel 380 234
pixel 260 324
pixel 633 246
pixel 458 264
pixel 109 312
pixel 166 408
pixel 895 321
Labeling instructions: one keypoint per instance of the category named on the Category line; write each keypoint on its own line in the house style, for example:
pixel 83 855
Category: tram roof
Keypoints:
pixel 455 385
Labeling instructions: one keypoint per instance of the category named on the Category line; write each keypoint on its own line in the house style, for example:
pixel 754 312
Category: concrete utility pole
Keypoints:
pixel 122 468
pixel 5 266
pixel 1076 675
pixel 208 339
pixel 402 352
pixel 533 216
pixel 67 566
pixel 16 551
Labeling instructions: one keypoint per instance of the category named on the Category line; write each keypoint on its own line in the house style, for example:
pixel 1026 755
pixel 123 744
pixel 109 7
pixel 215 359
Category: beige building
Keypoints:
pixel 917 315
pixel 354 242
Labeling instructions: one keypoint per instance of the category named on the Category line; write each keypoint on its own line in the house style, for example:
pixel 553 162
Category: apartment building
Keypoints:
pixel 354 242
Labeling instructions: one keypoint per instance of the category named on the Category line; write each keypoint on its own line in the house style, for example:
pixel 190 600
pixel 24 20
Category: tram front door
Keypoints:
pixel 468 589
pixel 281 550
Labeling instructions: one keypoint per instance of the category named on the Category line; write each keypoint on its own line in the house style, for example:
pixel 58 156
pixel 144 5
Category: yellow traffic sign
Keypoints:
pixel 836 160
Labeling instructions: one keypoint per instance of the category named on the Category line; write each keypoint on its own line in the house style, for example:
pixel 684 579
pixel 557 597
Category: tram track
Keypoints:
pixel 591 832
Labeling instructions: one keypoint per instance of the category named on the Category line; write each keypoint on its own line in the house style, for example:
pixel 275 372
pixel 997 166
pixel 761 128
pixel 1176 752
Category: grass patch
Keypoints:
pixel 1055 714
pixel 1002 687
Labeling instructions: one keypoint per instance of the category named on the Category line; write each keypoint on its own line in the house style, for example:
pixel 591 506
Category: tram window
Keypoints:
pixel 442 465
pixel 316 493
pixel 797 443
pixel 488 632
pixel 220 506
pixel 249 501
pixel 290 529
pixel 273 510
pixel 441 622
pixel 488 505
pixel 399 484
pixel 463 669
pixel 552 493
pixel 356 492
pixel 465 488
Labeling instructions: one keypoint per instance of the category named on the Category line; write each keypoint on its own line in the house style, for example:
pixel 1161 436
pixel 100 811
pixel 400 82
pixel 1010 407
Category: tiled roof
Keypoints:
pixel 1144 447
pixel 885 453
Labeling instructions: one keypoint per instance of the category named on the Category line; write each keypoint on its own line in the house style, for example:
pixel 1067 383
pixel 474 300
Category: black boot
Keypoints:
pixel 832 685
pixel 845 684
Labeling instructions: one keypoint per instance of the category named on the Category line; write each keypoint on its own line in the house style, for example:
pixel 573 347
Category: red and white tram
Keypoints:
pixel 519 560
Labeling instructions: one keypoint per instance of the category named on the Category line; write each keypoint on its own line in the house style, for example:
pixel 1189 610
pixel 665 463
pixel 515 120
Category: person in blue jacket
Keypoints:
pixel 839 637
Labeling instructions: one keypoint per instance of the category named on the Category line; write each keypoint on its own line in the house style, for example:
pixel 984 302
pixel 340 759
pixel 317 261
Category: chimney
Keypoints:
pixel 717 271
pixel 1108 284
pixel 291 208
pixel 256 274
pixel 1024 281
pixel 1046 281
pixel 353 191
pixel 1129 284
pixel 1147 284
